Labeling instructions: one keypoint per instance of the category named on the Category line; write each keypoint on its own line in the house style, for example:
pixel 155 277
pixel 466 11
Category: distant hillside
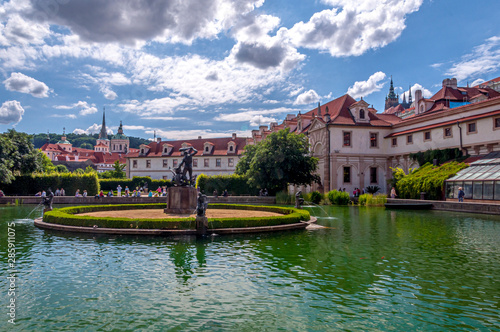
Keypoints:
pixel 81 141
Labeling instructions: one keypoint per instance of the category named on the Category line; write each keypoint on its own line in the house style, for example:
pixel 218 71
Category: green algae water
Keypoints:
pixel 370 270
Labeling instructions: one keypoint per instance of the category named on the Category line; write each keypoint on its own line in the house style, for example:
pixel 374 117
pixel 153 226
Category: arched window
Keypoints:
pixel 362 114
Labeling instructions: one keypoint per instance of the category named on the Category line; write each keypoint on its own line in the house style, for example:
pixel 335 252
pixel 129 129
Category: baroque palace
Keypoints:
pixel 356 146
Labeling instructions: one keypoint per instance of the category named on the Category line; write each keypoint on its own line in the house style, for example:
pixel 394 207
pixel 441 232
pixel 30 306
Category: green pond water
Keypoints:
pixel 370 270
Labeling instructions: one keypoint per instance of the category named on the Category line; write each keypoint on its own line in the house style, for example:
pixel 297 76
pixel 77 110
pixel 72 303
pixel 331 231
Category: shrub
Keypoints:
pixel 284 198
pixel 316 197
pixel 236 185
pixel 372 200
pixel 338 197
pixel 26 185
pixel 428 178
pixel 372 189
pixel 66 216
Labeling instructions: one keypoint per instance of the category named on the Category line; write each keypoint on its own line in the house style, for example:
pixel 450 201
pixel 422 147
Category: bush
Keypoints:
pixel 26 185
pixel 338 197
pixel 429 179
pixel 372 189
pixel 372 200
pixel 284 198
pixel 66 216
pixel 316 197
pixel 236 185
pixel 136 181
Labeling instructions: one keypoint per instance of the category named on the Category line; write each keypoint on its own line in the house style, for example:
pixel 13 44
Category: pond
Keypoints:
pixel 370 269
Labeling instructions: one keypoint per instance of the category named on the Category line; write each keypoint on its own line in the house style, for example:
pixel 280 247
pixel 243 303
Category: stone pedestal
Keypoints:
pixel 201 225
pixel 181 200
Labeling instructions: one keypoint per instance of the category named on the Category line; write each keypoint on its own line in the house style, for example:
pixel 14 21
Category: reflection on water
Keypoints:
pixel 370 269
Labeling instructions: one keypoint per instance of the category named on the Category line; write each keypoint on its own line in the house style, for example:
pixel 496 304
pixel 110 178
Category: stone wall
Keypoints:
pixel 469 207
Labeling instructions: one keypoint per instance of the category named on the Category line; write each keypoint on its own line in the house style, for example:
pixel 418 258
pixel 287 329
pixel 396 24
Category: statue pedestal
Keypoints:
pixel 201 225
pixel 181 200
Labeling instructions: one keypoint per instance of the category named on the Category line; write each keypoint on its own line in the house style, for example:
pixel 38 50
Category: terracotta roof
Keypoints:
pixel 220 147
pixel 443 124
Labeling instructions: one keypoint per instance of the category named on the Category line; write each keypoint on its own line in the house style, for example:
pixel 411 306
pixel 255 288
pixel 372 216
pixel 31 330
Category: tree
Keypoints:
pixel 244 163
pixel 17 156
pixel 62 169
pixel 119 172
pixel 47 165
pixel 282 159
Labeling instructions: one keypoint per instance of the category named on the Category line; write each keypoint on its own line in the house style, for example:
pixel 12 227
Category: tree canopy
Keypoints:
pixel 17 156
pixel 279 160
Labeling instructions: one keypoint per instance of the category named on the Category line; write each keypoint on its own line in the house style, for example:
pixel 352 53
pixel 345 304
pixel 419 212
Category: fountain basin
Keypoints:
pixel 139 220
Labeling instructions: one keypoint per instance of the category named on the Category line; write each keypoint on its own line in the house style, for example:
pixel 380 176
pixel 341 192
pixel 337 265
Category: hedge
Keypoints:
pixel 338 197
pixel 429 179
pixel 29 185
pixel 136 181
pixel 236 185
pixel 66 216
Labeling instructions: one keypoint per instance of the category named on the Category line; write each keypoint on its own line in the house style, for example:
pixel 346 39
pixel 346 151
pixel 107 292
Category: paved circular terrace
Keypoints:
pixel 159 214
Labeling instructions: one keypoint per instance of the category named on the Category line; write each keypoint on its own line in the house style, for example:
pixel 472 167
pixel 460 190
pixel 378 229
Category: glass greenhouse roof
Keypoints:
pixel 487 168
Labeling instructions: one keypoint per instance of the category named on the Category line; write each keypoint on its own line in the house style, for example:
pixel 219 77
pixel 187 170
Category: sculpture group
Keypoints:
pixel 180 179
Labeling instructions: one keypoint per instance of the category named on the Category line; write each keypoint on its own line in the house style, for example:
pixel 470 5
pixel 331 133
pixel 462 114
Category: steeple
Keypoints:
pixel 319 110
pixel 391 94
pixel 409 97
pixel 120 129
pixel 103 134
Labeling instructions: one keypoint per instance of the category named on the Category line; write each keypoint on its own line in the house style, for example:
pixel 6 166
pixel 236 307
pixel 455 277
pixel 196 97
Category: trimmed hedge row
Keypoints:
pixel 29 185
pixel 236 185
pixel 66 216
pixel 136 181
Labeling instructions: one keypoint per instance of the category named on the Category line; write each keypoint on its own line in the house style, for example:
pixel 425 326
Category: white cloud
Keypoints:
pixel 165 118
pixel 20 31
pixel 307 97
pixel 108 93
pixel 94 129
pixel 364 88
pixel 477 82
pixel 25 84
pixel 353 26
pixel 66 116
pixel 254 117
pixel 483 59
pixel 84 107
pixel 11 111
pixel 425 92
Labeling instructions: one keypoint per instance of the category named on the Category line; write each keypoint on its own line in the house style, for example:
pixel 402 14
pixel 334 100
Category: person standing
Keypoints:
pixel 461 194
pixel 127 191
pixel 119 191
pixel 62 192
pixel 58 192
pixel 393 192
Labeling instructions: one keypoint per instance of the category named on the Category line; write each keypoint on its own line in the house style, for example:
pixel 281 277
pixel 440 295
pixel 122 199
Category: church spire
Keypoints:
pixel 391 94
pixel 103 134
pixel 409 92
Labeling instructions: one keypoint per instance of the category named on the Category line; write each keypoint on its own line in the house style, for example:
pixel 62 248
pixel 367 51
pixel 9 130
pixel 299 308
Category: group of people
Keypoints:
pixel 357 192
pixel 263 192
pixel 216 193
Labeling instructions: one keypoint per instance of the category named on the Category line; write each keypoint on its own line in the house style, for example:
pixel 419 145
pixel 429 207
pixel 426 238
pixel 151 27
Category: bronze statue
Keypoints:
pixel 47 200
pixel 298 200
pixel 187 161
pixel 201 208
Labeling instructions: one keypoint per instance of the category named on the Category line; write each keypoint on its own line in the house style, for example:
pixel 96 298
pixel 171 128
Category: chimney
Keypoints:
pixel 199 137
pixel 450 83
pixel 234 135
pixel 326 117
pixel 158 139
pixel 418 95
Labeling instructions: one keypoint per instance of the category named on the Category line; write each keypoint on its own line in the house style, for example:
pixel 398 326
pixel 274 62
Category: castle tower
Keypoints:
pixel 120 142
pixel 102 143
pixel 392 99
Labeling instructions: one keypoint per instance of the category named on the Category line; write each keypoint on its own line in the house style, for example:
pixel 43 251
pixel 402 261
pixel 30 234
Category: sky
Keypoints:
pixel 187 68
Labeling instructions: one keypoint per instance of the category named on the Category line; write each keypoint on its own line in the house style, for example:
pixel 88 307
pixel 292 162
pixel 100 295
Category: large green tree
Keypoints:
pixel 281 159
pixel 17 156
pixel 244 163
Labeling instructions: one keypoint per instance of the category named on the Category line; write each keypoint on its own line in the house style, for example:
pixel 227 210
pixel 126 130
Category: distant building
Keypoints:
pixel 216 156
pixel 102 158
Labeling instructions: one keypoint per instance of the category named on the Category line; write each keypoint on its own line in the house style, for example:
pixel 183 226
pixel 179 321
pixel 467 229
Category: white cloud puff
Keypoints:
pixel 25 84
pixel 364 88
pixel 425 92
pixel 11 111
pixel 84 107
pixel 307 97
pixel 94 129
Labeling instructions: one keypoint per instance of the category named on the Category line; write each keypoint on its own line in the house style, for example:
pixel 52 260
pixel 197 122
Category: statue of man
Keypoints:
pixel 187 161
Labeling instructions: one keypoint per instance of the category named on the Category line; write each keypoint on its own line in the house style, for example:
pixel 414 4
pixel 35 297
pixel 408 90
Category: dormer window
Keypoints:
pixel 207 148
pixel 231 147
pixel 362 114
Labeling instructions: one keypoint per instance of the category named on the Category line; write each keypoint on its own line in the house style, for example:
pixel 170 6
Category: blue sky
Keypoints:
pixel 189 68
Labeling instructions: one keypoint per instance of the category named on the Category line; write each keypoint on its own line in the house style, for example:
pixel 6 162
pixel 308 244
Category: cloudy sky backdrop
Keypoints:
pixel 185 68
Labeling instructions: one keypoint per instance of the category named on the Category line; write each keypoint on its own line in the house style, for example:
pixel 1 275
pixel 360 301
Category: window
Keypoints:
pixel 347 174
pixel 206 148
pixel 373 174
pixel 206 162
pixel 447 132
pixel 175 162
pixel 165 162
pixel 347 138
pixel 362 114
pixel 395 141
pixel 195 162
pixel 373 140
pixel 217 162
pixel 409 139
pixel 471 128
pixel 148 163
pixel 496 123
pixel 165 150
pixel 230 162
pixel 427 135
pixel 230 148
pixel 134 163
